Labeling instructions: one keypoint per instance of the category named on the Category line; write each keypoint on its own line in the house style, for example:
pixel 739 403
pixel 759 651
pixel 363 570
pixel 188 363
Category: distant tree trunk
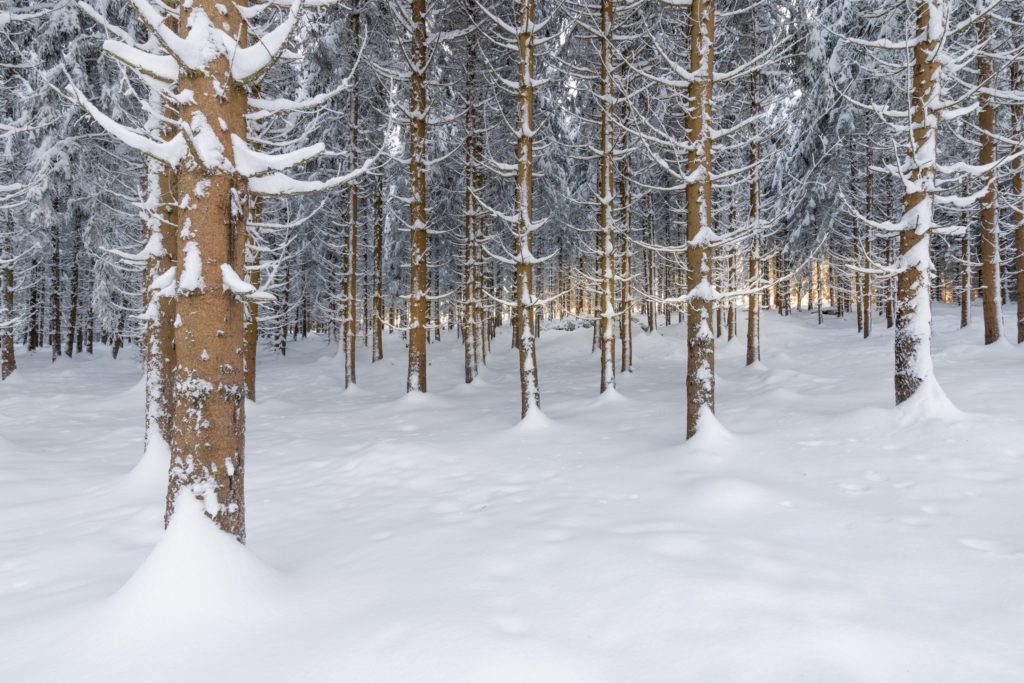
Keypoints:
pixel 417 376
pixel 118 342
pixel 625 275
pixel 34 334
pixel 378 270
pixel 991 279
pixel 754 259
pixel 69 346
pixel 471 257
pixel 1017 168
pixel 965 274
pixel 753 309
pixel 700 364
pixel 606 200
pixel 349 331
pixel 252 327
pixel 866 246
pixel 55 293
pixel 8 364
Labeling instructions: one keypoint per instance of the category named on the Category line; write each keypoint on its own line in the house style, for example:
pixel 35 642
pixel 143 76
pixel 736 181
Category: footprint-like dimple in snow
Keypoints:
pixel 854 489
pixel 988 546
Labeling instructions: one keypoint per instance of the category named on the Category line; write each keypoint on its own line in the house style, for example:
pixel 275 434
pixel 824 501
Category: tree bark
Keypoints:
pixel 991 278
pixel 524 228
pixel 913 309
pixel 208 435
pixel 417 376
pixel 700 363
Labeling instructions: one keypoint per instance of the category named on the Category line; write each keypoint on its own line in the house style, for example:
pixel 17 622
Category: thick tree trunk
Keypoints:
pixel 208 435
pixel 913 310
pixel 524 228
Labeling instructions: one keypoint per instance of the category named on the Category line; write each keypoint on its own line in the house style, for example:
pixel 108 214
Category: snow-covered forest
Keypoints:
pixel 542 340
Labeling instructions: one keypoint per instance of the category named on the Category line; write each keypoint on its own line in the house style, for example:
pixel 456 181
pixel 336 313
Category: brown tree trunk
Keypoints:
pixel 69 346
pixel 55 293
pixel 378 268
pixel 606 200
pixel 991 279
pixel 159 354
pixel 8 364
pixel 700 363
pixel 913 310
pixel 417 376
pixel 208 434
pixel 1017 169
pixel 524 228
pixel 349 331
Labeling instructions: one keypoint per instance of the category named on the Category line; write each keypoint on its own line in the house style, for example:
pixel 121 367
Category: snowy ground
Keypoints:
pixel 826 537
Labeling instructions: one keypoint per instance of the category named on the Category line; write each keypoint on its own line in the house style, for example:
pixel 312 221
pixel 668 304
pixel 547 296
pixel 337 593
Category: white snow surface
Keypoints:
pixel 812 532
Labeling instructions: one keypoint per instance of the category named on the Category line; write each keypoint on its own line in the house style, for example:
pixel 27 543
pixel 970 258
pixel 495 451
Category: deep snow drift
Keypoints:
pixel 818 535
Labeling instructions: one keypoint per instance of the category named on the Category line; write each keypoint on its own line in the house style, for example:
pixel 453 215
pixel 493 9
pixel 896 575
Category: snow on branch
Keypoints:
pixel 250 62
pixel 161 67
pixel 169 152
pixel 281 185
pixel 251 163
pixel 236 285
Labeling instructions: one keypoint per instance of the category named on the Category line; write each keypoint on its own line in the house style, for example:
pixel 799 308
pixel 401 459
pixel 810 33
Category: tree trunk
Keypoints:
pixel 991 279
pixel 700 363
pixel 524 227
pixel 159 353
pixel 55 293
pixel 1017 169
pixel 378 270
pixel 69 346
pixel 349 331
pixel 8 364
pixel 913 310
pixel 417 376
pixel 208 435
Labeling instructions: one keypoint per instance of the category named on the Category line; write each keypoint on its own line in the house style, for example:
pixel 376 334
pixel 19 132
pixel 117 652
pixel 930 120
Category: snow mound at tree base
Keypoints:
pixel 929 402
pixel 150 472
pixel 198 579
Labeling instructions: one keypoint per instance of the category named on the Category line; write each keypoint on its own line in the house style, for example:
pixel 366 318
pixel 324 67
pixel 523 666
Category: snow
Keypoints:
pixel 192 271
pixel 810 532
pixel 231 281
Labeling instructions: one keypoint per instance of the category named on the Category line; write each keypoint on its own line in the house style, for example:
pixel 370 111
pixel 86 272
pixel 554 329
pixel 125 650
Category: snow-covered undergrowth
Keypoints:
pixel 815 534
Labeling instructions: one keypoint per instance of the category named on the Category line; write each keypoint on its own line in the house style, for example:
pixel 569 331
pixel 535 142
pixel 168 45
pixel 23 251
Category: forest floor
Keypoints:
pixel 818 535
